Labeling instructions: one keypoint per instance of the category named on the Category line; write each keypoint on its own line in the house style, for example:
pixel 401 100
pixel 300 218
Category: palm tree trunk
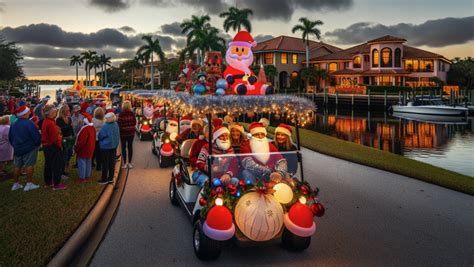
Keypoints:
pixel 77 72
pixel 152 73
pixel 307 54
pixel 131 80
pixel 105 74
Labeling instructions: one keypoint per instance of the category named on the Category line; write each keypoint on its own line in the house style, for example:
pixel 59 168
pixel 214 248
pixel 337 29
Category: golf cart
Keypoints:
pixel 277 208
pixel 144 115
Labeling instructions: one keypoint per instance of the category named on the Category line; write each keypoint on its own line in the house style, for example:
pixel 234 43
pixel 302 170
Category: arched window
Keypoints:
pixel 375 58
pixel 398 58
pixel 386 57
pixel 356 64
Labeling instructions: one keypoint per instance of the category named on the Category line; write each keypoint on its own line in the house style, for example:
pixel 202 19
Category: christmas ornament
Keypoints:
pixel 218 224
pixel 318 209
pixel 199 89
pixel 232 189
pixel 283 193
pixel 220 92
pixel 222 84
pixel 299 220
pixel 216 182
pixel 202 202
pixel 258 216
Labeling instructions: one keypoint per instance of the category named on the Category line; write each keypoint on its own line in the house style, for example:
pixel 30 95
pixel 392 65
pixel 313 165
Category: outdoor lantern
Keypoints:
pixel 283 193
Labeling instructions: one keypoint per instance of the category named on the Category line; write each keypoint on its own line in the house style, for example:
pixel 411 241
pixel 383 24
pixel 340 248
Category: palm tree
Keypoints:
pixel 206 40
pixel 94 64
pixel 236 18
pixel 76 61
pixel 308 28
pixel 147 50
pixel 87 57
pixel 194 27
pixel 104 63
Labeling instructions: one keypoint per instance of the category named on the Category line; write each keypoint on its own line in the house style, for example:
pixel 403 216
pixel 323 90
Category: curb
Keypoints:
pixel 75 242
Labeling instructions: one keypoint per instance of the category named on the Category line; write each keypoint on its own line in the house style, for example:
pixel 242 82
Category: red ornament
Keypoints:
pixel 232 189
pixel 213 193
pixel 304 190
pixel 202 202
pixel 219 190
pixel 242 183
pixel 318 209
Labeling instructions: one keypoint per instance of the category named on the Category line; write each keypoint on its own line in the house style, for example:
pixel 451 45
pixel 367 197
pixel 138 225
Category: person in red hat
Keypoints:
pixel 25 139
pixel 224 168
pixel 284 143
pixel 239 76
pixel 84 148
pixel 265 158
pixel 191 133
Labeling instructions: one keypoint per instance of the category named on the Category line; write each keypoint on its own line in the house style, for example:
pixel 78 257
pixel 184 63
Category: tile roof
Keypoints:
pixel 412 52
pixel 370 72
pixel 387 38
pixel 288 43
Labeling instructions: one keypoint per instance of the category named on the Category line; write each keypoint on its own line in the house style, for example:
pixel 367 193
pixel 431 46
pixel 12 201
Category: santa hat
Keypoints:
pixel 219 225
pixel 198 121
pixel 257 127
pixel 238 127
pixel 218 131
pixel 284 129
pixel 22 110
pixel 299 220
pixel 173 120
pixel 87 118
pixel 186 119
pixel 243 38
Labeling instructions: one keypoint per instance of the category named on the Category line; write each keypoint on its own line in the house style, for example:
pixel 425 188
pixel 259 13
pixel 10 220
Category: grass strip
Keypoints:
pixel 383 160
pixel 34 225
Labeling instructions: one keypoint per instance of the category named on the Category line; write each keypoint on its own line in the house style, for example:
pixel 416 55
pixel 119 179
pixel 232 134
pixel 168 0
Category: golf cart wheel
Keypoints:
pixel 153 150
pixel 172 192
pixel 293 242
pixel 162 161
pixel 204 247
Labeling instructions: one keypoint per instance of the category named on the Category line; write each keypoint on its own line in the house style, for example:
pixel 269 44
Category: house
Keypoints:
pixel 287 54
pixel 382 61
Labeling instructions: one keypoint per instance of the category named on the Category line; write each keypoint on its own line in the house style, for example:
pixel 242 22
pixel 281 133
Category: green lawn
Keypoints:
pixel 34 225
pixel 384 160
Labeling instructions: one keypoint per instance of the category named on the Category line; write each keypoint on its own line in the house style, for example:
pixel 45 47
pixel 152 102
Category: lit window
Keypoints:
pixel 284 58
pixel 295 59
pixel 268 58
pixel 375 58
pixel 357 63
pixel 332 67
pixel 386 57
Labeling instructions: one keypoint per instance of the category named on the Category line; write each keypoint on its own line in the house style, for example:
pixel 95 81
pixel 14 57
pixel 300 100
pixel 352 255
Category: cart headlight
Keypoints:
pixel 167 141
pixel 219 201
pixel 145 123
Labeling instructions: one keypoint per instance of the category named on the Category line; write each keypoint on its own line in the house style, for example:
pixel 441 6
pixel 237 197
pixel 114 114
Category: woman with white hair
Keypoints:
pixel 6 150
pixel 108 138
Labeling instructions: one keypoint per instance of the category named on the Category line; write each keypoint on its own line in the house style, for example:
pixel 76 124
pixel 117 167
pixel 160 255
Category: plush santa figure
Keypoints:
pixel 148 110
pixel 265 158
pixel 239 76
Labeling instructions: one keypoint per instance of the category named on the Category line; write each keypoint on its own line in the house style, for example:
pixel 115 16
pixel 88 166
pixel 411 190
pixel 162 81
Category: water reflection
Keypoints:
pixel 447 143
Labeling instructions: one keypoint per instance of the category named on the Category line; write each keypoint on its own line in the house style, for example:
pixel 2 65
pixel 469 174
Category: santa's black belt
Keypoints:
pixel 238 76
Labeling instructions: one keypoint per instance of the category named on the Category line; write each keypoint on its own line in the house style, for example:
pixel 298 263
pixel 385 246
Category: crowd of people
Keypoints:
pixel 91 133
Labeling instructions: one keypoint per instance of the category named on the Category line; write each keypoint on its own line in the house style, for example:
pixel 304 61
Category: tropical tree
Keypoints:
pixel 94 64
pixel 104 63
pixel 236 18
pixel 194 27
pixel 308 28
pixel 10 57
pixel 129 67
pixel 87 57
pixel 206 40
pixel 461 72
pixel 147 50
pixel 76 61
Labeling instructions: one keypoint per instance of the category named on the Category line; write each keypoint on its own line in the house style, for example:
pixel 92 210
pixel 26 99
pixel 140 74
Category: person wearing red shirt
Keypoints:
pixel 197 146
pixel 127 121
pixel 265 158
pixel 51 140
pixel 84 148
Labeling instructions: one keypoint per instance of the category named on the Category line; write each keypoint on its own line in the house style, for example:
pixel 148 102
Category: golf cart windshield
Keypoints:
pixel 255 167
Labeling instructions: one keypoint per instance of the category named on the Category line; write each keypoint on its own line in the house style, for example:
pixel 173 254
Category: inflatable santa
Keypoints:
pixel 148 110
pixel 239 76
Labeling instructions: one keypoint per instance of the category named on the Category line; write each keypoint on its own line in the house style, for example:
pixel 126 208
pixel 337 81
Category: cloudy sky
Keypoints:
pixel 50 31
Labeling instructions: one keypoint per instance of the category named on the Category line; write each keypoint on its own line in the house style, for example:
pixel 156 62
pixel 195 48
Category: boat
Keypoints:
pixel 436 119
pixel 430 106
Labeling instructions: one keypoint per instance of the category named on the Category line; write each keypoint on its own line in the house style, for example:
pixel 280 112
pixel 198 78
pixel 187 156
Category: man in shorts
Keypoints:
pixel 25 139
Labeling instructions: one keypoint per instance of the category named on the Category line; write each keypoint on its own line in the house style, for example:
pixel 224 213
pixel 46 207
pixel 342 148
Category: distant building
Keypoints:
pixel 287 54
pixel 382 61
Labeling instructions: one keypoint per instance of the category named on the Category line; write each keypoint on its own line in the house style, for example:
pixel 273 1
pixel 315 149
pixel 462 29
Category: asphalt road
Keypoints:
pixel 372 218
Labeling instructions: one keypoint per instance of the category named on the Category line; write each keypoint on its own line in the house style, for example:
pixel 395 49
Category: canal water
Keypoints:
pixel 446 143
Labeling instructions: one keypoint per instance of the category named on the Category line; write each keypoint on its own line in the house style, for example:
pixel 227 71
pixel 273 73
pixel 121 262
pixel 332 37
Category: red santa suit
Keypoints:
pixel 263 162
pixel 85 142
pixel 239 57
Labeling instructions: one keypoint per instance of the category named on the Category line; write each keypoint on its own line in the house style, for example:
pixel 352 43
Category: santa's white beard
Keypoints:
pixel 223 145
pixel 262 147
pixel 171 128
pixel 242 65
